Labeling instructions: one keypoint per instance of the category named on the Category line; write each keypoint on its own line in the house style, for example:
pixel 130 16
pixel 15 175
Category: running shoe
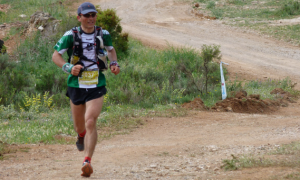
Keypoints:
pixel 86 169
pixel 80 143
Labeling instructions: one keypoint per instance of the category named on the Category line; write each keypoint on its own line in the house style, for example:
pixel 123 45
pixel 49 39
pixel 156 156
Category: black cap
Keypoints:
pixel 85 8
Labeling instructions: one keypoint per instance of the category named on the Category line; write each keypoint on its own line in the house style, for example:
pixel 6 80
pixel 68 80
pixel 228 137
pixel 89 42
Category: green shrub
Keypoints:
pixel 210 4
pixel 33 72
pixel 108 20
pixel 230 164
pixel 174 75
pixel 4 62
pixel 218 13
pixel 2 14
pixel 12 80
pixel 288 9
pixel 234 86
pixel 35 55
pixel 208 54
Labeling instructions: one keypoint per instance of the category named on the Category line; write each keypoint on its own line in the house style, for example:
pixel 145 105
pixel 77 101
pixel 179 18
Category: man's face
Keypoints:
pixel 88 20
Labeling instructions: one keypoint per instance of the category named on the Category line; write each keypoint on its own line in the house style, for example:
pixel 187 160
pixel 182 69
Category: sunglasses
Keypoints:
pixel 89 15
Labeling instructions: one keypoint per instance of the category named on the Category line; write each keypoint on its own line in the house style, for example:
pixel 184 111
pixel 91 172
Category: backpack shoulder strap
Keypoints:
pixel 77 43
pixel 76 36
pixel 99 37
pixel 99 31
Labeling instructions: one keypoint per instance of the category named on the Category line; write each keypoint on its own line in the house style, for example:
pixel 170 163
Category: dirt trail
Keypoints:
pixel 251 56
pixel 190 147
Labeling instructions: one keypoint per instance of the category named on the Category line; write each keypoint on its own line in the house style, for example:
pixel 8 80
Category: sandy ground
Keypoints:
pixel 190 147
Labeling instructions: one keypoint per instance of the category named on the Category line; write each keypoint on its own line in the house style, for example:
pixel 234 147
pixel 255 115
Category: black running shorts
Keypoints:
pixel 81 95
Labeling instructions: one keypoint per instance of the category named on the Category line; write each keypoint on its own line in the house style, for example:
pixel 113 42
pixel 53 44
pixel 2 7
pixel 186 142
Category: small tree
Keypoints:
pixel 108 20
pixel 209 53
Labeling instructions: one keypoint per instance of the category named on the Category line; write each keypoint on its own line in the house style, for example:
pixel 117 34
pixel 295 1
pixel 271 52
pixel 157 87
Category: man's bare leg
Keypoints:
pixel 78 112
pixel 85 118
pixel 93 109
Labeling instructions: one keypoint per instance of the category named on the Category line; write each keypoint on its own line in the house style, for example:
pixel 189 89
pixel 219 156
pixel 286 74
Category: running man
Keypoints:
pixel 86 82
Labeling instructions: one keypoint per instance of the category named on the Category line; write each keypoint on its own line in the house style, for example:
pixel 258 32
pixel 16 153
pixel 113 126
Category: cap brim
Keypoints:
pixel 88 11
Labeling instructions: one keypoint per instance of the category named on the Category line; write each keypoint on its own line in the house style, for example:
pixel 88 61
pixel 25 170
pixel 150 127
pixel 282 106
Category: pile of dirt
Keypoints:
pixel 196 104
pixel 242 103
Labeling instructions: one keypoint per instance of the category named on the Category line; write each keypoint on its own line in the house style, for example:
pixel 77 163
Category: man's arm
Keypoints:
pixel 112 56
pixel 59 61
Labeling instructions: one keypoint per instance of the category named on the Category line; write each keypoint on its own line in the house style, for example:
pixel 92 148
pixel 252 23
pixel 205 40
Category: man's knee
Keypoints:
pixel 90 123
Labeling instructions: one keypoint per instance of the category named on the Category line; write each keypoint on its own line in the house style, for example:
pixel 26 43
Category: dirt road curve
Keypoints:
pixel 190 147
pixel 158 22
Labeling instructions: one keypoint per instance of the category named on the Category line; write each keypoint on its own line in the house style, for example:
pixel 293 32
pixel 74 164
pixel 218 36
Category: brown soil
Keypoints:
pixel 196 104
pixel 190 147
pixel 241 103
pixel 10 41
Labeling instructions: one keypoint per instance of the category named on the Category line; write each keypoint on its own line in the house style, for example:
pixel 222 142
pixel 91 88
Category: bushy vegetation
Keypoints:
pixel 210 53
pixel 31 71
pixel 290 8
pixel 147 75
pixel 263 87
pixel 108 20
pixel 174 75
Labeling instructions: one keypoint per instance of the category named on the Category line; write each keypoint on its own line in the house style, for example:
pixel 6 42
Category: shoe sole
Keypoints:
pixel 87 170
pixel 80 147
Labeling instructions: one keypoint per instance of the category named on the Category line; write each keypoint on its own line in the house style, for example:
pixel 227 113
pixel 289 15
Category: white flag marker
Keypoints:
pixel 223 87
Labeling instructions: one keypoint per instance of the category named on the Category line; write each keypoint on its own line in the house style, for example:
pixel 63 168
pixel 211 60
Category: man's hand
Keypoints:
pixel 76 69
pixel 115 69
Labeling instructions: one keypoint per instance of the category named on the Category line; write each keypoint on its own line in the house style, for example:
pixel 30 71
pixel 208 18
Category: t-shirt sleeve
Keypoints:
pixel 107 38
pixel 65 43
